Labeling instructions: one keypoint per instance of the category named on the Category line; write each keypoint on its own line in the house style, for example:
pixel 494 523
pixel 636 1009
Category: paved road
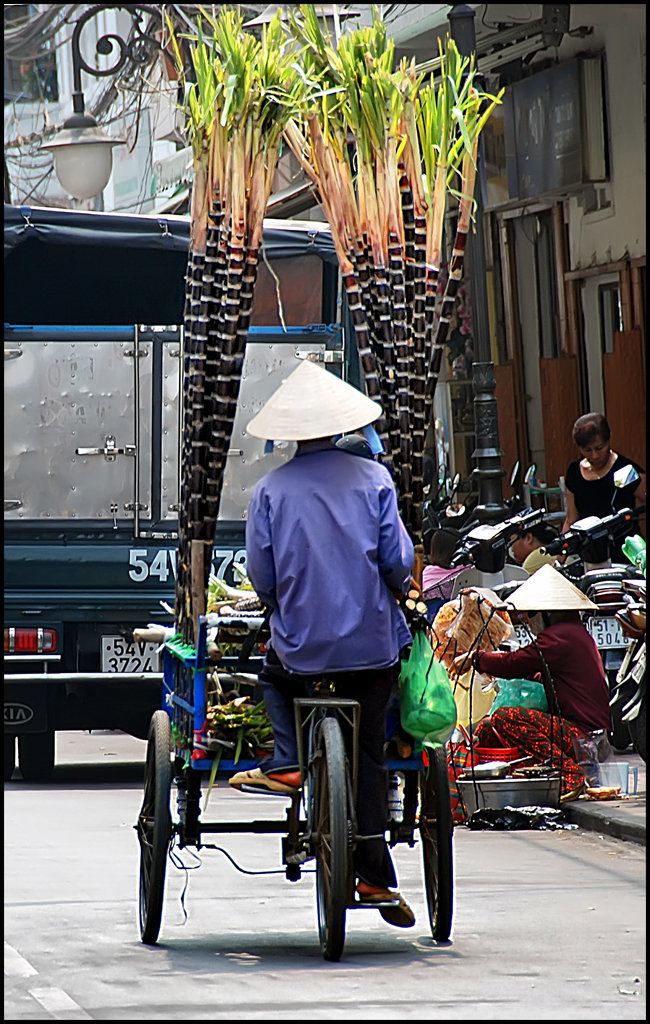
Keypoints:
pixel 548 925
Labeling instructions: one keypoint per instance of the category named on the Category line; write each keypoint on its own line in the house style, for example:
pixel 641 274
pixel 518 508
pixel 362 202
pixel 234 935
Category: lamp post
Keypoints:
pixel 83 153
pixel 488 452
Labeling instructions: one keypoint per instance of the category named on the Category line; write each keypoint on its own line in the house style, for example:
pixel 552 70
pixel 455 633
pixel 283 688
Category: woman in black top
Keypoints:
pixel 590 489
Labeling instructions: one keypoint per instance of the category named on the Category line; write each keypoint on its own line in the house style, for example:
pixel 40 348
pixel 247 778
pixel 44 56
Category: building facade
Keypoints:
pixel 563 224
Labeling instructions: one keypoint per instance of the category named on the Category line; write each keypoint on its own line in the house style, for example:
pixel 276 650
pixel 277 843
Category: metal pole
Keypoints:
pixel 488 471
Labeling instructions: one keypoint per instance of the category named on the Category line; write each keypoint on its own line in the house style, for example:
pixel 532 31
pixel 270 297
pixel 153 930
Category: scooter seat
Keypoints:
pixel 607 594
pixel 635 585
pixel 637 615
pixel 606 574
pixel 629 626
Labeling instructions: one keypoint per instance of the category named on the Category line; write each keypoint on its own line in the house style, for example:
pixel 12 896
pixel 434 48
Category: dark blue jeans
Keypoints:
pixel 372 689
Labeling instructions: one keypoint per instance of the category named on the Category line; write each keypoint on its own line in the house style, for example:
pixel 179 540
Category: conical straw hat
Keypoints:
pixel 312 403
pixel 548 590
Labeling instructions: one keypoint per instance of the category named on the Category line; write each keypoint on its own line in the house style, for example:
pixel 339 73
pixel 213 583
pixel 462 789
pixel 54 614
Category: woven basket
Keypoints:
pixel 484 754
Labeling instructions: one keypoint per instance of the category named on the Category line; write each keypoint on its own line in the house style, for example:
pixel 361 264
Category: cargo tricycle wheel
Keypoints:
pixel 330 818
pixel 436 833
pixel 155 826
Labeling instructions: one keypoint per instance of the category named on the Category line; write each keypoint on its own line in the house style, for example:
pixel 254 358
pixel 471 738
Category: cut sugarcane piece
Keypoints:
pixel 249 604
pixel 219 589
pixel 240 571
pixel 153 634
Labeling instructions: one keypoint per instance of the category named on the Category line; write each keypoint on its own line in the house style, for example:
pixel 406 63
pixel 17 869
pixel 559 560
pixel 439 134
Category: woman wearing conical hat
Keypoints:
pixel 326 552
pixel 564 657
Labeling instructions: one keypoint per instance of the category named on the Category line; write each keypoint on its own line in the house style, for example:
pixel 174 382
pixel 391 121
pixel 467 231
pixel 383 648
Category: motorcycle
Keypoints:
pixel 604 584
pixel 629 693
pixel 447 510
pixel 460 515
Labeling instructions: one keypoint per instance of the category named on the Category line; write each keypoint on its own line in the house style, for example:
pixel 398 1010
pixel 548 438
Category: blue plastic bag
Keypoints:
pixel 427 705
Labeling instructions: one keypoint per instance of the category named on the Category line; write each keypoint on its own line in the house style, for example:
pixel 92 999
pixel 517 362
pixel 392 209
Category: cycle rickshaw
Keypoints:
pixel 320 821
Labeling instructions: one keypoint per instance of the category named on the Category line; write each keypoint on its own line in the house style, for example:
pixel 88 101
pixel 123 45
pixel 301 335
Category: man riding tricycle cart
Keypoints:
pixel 326 519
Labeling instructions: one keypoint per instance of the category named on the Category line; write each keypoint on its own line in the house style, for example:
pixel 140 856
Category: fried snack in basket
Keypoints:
pixel 459 624
pixel 475 611
pixel 444 647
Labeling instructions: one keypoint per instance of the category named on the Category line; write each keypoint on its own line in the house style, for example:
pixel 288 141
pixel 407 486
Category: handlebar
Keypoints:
pixel 585 531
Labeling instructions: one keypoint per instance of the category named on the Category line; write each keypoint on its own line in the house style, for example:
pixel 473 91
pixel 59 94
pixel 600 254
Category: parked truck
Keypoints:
pixel 93 356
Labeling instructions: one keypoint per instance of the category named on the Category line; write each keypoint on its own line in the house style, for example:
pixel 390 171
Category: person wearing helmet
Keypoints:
pixel 564 657
pixel 327 552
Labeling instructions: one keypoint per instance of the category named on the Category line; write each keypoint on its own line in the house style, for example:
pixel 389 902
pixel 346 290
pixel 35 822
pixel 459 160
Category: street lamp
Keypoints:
pixel 488 471
pixel 82 152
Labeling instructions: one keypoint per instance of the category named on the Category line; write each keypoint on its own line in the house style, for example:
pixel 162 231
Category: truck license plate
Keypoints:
pixel 607 633
pixel 120 656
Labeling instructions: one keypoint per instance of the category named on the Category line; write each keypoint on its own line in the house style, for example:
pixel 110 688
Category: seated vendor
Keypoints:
pixel 565 658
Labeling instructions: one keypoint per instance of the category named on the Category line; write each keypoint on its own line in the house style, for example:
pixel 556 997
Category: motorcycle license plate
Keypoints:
pixel 120 656
pixel 607 633
pixel 522 635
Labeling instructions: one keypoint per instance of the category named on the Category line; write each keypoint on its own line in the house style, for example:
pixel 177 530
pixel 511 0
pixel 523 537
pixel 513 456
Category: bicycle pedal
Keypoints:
pixel 375 903
pixel 259 791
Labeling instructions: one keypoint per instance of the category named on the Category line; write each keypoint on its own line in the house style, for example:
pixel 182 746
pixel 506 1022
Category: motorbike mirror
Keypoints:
pixel 625 475
pixel 530 473
pixel 455 482
pixel 514 474
pixel 452 511
pixel 586 524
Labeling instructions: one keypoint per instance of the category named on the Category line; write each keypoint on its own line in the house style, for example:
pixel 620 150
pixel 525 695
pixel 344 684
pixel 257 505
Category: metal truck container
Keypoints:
pixel 93 352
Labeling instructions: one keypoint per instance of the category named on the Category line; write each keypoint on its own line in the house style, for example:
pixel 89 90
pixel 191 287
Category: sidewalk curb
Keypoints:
pixel 609 821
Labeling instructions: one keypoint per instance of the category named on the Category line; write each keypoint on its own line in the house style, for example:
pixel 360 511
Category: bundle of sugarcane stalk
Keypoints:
pixel 245 90
pixel 385 152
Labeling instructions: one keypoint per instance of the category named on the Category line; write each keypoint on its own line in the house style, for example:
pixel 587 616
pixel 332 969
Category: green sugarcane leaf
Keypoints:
pixel 462 128
pixel 483 119
pixel 213 775
pixel 240 739
pixel 231 85
pixel 177 53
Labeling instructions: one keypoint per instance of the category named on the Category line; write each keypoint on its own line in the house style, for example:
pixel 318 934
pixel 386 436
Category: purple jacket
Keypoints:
pixel 325 548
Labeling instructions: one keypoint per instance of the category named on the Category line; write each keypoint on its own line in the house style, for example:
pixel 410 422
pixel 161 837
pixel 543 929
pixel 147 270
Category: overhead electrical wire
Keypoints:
pixel 20 40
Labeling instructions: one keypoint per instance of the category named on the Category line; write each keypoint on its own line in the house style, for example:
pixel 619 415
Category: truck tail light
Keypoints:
pixel 29 640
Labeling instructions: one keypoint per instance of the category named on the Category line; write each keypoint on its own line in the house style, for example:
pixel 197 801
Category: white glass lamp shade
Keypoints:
pixel 83 159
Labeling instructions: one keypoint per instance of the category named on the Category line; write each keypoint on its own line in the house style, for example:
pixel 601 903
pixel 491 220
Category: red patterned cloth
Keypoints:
pixel 457 758
pixel 531 731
